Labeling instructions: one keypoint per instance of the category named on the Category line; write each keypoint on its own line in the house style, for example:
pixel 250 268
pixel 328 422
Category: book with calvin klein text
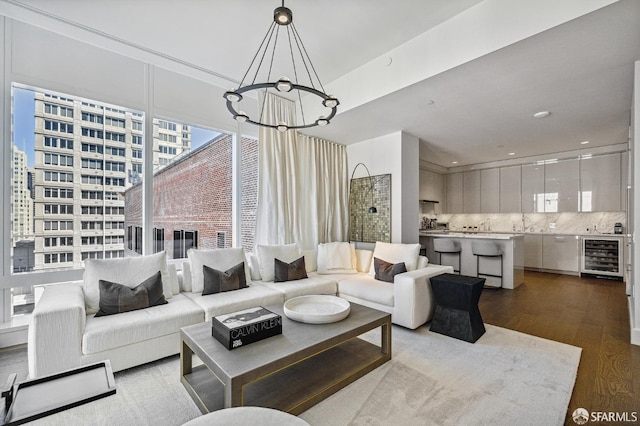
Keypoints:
pixel 247 326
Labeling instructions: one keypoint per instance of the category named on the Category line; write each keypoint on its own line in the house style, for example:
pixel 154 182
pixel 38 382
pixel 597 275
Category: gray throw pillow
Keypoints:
pixel 216 281
pixel 117 298
pixel 284 271
pixel 385 271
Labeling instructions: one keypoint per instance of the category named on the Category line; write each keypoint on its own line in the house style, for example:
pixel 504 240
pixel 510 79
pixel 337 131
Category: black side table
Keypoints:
pixel 457 314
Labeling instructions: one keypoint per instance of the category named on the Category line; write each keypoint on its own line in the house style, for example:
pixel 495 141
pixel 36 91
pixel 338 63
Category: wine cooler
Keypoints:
pixel 602 256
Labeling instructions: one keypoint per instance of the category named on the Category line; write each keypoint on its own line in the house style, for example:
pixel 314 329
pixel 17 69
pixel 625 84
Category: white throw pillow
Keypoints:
pixel 186 276
pixel 310 259
pixel 267 254
pixel 173 274
pixel 129 271
pixel 396 253
pixel 337 258
pixel 363 260
pixel 423 262
pixel 220 259
pixel 254 266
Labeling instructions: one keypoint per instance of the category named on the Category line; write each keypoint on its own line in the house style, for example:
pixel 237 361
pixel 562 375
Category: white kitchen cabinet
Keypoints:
pixel 532 188
pixel 510 189
pixel 587 184
pixel 432 187
pixel 490 190
pixel 471 192
pixel 600 183
pixel 533 251
pixel 454 193
pixel 561 253
pixel 561 186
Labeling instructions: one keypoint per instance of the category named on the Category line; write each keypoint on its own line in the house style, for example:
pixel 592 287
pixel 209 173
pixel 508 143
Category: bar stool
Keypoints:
pixel 482 248
pixel 447 246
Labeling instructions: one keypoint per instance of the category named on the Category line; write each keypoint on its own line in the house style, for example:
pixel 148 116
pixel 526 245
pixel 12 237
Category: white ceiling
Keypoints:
pixel 581 71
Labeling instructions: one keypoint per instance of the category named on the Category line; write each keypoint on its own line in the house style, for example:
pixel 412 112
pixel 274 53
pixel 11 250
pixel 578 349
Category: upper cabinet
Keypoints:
pixel 600 186
pixel 432 187
pixel 532 200
pixel 510 189
pixel 588 184
pixel 561 186
pixel 471 192
pixel 490 191
pixel 454 193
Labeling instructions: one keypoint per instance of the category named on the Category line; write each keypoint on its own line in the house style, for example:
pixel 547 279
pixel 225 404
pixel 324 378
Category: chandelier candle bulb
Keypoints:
pixel 232 96
pixel 330 102
pixel 284 85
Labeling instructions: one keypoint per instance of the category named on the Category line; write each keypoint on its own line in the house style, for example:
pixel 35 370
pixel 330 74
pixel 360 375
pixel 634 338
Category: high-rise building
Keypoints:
pixel 21 203
pixel 86 155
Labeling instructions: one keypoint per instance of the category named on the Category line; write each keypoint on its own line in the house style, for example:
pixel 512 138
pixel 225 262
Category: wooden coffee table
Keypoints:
pixel 289 372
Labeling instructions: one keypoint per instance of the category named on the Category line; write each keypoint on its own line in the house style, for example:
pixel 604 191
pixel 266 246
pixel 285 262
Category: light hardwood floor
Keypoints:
pixel 586 312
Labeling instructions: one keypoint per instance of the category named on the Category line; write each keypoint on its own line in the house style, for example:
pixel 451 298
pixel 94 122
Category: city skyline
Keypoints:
pixel 24 125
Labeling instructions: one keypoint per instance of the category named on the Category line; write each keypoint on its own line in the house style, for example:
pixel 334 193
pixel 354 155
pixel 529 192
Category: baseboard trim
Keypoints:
pixel 552 271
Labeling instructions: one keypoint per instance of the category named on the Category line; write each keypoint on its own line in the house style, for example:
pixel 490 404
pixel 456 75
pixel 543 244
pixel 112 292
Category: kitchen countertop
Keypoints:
pixel 478 235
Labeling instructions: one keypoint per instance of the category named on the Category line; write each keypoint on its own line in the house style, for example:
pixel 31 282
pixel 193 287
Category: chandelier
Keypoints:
pixel 305 78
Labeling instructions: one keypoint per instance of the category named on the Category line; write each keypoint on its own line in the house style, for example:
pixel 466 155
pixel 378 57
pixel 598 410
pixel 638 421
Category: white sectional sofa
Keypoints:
pixel 65 334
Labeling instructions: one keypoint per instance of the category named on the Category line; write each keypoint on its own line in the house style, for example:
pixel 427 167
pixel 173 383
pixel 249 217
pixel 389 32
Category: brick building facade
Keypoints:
pixel 192 200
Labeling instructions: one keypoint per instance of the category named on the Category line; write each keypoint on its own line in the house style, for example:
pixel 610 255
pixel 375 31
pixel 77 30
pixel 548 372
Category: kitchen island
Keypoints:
pixel 512 246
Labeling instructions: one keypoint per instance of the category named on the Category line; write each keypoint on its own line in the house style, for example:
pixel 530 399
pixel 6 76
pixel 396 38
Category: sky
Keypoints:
pixel 200 136
pixel 23 122
pixel 24 125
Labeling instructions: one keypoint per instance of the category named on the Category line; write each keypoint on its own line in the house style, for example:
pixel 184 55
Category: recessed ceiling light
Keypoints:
pixel 584 142
pixel 454 162
pixel 541 114
pixel 512 153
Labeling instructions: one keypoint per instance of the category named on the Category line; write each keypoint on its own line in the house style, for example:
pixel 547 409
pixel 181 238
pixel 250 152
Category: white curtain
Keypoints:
pixel 302 184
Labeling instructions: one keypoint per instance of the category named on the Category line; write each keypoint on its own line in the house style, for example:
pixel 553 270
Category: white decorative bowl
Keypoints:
pixel 317 309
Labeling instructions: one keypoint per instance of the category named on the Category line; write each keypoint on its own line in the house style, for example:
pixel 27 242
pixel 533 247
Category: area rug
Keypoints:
pixel 505 378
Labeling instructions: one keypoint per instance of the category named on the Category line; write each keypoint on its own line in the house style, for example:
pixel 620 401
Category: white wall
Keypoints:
pixel 395 154
pixel 410 188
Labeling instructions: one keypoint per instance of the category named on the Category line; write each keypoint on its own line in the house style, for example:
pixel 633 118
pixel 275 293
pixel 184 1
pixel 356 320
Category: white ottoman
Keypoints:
pixel 242 416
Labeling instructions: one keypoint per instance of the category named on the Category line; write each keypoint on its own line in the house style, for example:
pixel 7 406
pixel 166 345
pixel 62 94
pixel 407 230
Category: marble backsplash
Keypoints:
pixel 550 223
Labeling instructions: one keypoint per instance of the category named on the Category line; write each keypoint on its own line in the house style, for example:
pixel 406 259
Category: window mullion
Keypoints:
pixel 147 168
